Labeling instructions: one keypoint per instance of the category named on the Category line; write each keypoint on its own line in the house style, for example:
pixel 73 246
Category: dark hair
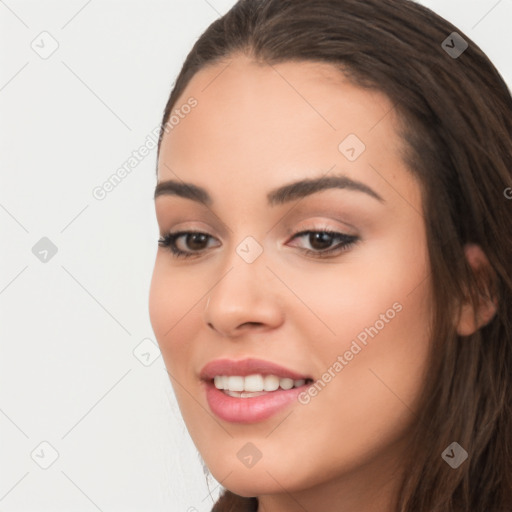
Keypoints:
pixel 456 122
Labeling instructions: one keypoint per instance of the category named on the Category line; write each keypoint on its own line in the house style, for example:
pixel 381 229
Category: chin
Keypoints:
pixel 249 483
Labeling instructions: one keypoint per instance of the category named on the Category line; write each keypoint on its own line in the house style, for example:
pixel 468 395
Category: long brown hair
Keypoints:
pixel 456 120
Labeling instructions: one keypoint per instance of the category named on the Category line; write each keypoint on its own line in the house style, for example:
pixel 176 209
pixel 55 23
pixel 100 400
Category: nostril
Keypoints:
pixel 251 323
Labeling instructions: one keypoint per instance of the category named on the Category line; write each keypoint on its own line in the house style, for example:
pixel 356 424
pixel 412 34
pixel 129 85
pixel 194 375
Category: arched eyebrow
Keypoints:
pixel 278 196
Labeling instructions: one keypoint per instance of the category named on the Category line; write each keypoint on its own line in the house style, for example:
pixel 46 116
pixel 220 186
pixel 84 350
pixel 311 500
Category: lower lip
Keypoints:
pixel 249 410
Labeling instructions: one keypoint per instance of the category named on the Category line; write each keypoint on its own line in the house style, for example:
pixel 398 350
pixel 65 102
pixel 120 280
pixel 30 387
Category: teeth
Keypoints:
pixel 254 384
pixel 236 383
pixel 271 383
pixel 286 383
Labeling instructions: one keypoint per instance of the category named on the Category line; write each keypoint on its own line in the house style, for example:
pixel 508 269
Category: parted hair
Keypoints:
pixel 455 115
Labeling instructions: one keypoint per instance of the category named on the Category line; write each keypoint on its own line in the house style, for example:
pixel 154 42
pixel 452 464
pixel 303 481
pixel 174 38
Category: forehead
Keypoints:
pixel 256 124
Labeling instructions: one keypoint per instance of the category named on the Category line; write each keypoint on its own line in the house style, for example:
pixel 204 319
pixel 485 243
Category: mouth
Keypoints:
pixel 250 390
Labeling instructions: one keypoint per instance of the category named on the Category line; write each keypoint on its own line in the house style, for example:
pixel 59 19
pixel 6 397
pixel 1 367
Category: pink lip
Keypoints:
pixel 249 410
pixel 246 367
pixel 253 409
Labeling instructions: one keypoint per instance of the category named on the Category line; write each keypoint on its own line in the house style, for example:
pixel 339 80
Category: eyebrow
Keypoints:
pixel 280 195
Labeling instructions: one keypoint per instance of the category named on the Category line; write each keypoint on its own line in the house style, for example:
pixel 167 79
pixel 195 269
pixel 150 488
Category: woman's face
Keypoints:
pixel 355 320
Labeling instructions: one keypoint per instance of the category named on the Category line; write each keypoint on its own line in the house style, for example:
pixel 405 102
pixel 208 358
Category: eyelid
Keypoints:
pixel 324 225
pixel 185 226
pixel 189 219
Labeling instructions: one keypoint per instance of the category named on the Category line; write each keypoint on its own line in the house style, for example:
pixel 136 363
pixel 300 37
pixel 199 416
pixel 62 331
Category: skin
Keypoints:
pixel 257 127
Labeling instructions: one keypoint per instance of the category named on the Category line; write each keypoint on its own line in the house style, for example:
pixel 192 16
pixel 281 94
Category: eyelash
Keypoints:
pixel 169 242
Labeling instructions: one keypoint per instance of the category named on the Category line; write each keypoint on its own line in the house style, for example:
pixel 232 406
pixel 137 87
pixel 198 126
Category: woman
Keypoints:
pixel 332 294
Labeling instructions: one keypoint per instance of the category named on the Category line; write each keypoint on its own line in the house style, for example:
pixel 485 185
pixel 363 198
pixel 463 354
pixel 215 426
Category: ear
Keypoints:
pixel 471 318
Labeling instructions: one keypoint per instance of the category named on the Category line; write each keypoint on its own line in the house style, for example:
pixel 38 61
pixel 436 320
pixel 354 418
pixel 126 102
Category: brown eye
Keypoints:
pixel 194 243
pixel 321 241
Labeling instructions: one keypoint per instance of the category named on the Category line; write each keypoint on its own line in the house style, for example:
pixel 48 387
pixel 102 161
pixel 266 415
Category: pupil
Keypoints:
pixel 321 237
pixel 194 238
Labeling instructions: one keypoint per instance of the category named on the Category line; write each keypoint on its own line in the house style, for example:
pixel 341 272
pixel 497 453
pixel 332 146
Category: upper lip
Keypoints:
pixel 246 367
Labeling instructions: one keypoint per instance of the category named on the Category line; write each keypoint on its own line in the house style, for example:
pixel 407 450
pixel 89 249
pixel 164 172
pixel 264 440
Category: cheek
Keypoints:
pixel 160 301
pixel 381 316
pixel 386 311
pixel 172 309
pixel 370 282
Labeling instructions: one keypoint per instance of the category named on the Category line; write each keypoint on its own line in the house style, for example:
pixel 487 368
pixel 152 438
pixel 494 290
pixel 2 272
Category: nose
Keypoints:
pixel 246 297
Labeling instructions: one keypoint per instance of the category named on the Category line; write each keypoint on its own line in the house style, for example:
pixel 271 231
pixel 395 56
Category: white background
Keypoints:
pixel 69 327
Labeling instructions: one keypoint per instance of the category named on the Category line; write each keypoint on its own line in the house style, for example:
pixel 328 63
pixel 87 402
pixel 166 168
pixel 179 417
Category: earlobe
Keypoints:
pixel 471 319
